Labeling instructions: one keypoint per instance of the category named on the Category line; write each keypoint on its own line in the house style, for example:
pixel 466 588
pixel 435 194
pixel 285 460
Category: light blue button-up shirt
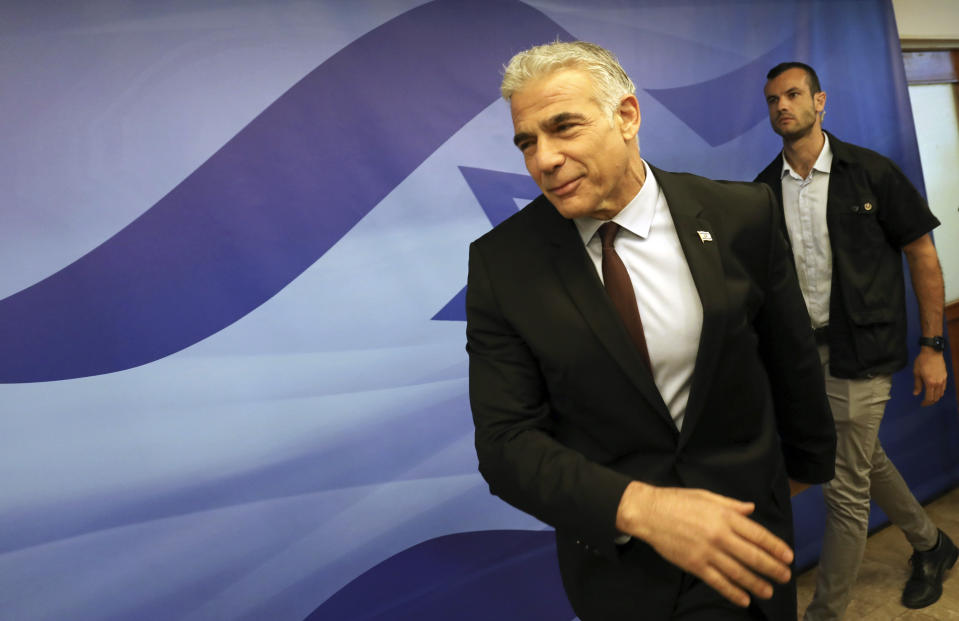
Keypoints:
pixel 804 204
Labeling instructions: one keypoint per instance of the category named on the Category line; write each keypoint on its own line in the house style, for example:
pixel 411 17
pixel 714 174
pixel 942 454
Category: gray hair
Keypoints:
pixel 610 81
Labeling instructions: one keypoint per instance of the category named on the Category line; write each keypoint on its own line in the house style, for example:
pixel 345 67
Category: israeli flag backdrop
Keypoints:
pixel 233 241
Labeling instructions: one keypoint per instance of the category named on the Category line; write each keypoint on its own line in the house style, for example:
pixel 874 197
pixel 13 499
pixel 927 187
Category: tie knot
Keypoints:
pixel 607 233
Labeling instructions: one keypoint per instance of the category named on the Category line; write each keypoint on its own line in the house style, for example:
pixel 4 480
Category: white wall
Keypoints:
pixel 927 20
pixel 926 24
pixel 938 136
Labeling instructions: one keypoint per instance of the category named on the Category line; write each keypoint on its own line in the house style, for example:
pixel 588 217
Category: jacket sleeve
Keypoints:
pixel 804 420
pixel 519 457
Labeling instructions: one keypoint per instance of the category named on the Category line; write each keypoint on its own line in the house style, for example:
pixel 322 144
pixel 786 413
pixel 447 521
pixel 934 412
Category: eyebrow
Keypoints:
pixel 552 121
pixel 518 138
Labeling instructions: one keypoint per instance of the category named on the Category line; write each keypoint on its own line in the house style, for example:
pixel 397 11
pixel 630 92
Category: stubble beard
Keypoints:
pixel 797 133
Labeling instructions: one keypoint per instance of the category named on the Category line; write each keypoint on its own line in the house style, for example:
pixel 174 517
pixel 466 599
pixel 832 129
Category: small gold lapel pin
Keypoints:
pixel 705 236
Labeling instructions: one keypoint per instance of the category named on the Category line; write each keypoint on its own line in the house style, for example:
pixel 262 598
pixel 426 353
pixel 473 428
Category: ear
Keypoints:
pixel 628 117
pixel 819 99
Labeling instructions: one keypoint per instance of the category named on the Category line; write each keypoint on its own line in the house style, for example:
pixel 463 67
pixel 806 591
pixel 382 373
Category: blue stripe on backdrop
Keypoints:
pixel 498 194
pixel 482 575
pixel 196 262
pixel 265 419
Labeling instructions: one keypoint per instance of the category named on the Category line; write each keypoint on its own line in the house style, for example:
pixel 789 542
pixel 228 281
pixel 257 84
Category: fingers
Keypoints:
pixel 763 551
pixel 738 571
pixel 929 371
pixel 710 536
pixel 740 507
pixel 735 580
pixel 934 392
pixel 722 585
pixel 932 396
pixel 938 388
pixel 740 564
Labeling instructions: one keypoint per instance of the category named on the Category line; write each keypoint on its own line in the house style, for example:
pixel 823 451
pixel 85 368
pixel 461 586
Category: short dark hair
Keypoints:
pixel 811 76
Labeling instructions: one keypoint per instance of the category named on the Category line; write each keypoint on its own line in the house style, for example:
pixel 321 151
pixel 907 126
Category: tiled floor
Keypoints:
pixel 885 569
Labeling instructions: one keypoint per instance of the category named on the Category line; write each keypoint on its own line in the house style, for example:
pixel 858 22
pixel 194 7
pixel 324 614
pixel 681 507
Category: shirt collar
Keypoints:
pixel 636 217
pixel 823 162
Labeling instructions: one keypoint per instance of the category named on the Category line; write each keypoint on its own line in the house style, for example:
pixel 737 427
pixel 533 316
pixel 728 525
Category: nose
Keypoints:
pixel 548 156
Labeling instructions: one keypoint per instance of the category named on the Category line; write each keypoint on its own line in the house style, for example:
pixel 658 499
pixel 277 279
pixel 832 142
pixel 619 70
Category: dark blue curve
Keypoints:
pixel 272 200
pixel 733 112
pixel 495 192
pixel 509 575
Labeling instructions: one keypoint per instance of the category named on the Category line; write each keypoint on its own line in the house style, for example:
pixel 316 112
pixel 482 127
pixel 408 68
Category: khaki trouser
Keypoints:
pixel 863 471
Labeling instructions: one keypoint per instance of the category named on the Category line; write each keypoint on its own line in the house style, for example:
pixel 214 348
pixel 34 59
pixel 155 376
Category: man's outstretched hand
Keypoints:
pixel 707 535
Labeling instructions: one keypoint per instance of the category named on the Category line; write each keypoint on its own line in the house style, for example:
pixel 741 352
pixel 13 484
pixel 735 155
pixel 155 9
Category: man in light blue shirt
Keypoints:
pixel 850 214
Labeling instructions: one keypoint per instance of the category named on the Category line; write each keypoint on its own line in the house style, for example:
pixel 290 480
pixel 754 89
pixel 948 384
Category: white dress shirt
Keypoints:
pixel 669 304
pixel 804 204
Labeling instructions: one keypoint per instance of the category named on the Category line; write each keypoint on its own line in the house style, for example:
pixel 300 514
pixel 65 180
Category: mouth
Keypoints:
pixel 566 188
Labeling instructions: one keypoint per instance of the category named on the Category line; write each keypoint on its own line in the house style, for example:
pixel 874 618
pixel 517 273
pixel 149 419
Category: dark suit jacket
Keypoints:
pixel 567 415
pixel 867 299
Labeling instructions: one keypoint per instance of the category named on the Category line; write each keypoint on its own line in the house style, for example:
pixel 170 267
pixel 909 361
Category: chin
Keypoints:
pixel 579 208
pixel 796 132
pixel 564 208
pixel 572 211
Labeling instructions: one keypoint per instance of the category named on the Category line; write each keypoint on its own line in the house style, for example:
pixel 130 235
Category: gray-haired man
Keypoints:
pixel 642 372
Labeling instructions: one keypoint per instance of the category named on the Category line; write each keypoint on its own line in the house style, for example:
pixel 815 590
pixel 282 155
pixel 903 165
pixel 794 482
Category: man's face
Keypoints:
pixel 793 110
pixel 580 161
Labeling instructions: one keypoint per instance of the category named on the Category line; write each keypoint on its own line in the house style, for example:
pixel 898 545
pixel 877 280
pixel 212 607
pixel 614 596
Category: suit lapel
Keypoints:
pixel 582 283
pixel 705 264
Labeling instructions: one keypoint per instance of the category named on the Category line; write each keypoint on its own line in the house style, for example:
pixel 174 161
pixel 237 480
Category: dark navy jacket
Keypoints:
pixel 872 211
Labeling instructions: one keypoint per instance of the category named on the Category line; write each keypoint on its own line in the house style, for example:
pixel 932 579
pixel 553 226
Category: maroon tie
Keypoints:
pixel 620 289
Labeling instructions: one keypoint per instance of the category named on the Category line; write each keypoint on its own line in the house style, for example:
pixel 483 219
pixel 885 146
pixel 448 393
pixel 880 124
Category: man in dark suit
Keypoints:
pixel 661 446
